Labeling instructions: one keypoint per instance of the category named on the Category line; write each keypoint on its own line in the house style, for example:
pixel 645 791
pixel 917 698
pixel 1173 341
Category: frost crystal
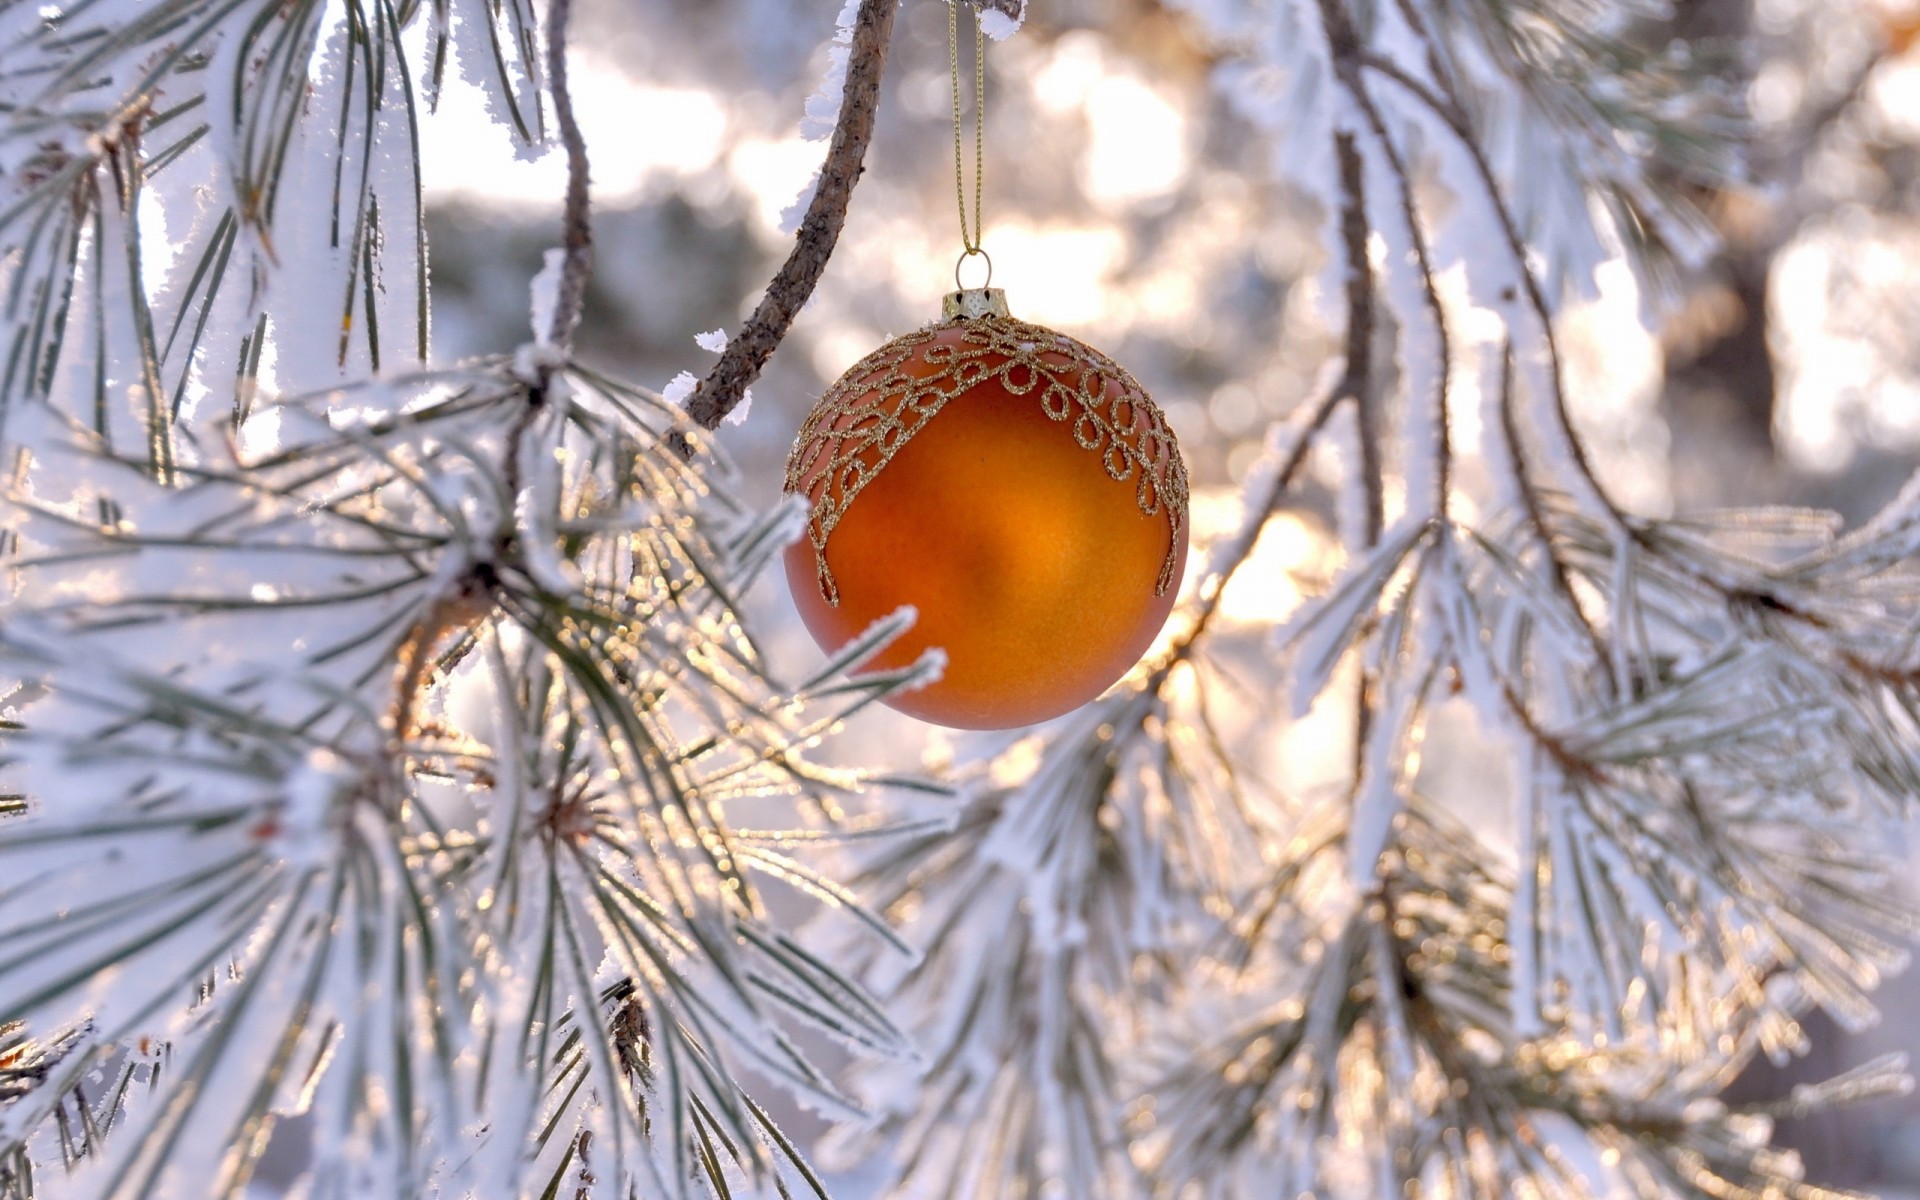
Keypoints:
pixel 739 414
pixel 545 291
pixel 823 107
pixel 679 388
pixel 999 26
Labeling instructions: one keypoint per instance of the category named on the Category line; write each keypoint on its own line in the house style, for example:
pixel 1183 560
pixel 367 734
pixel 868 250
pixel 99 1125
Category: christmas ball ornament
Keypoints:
pixel 1013 485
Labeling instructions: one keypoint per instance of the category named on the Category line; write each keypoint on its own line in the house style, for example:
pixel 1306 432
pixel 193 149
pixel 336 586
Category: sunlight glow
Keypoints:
pixel 1844 299
pixel 1061 274
pixel 640 134
pixel 260 435
pixel 1894 92
pixel 774 173
pixel 1615 365
pixel 1137 137
pixel 1138 150
pixel 1265 591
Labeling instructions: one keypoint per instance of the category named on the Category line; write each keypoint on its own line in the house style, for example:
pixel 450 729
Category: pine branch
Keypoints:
pixel 275 812
pixel 1271 483
pixel 1706 736
pixel 1516 464
pixel 124 106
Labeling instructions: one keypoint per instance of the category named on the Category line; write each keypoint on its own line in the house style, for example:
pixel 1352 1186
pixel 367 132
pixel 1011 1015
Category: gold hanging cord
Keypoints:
pixel 969 234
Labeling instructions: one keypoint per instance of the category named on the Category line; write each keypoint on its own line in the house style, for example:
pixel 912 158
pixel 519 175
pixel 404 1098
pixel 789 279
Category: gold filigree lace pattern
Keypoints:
pixel 880 404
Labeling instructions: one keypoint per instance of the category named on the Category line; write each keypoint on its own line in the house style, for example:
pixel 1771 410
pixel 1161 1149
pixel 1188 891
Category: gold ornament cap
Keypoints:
pixel 969 304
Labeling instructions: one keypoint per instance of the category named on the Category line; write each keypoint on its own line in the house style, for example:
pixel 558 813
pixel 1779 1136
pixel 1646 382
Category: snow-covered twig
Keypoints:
pixel 747 352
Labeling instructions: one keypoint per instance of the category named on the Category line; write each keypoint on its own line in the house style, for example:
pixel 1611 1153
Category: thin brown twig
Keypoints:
pixel 1530 501
pixel 1360 320
pixel 1355 384
pixel 1570 762
pixel 465 604
pixel 1450 112
pixel 1215 586
pixel 1343 42
pixel 747 353
pixel 1354 231
pixel 576 242
pixel 577 235
pixel 1345 50
pixel 469 601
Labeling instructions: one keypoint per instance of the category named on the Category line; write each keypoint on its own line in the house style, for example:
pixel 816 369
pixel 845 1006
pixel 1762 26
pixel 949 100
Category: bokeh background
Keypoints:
pixel 1128 204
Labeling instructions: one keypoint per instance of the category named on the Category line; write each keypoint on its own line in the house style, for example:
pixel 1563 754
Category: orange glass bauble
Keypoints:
pixel 1017 488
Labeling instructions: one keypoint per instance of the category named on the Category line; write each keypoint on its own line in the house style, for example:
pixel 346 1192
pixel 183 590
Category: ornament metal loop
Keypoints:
pixel 972 252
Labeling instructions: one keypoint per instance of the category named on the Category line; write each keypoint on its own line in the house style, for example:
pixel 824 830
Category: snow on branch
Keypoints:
pixel 1000 19
pixel 378 738
pixel 412 835
pixel 1705 747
